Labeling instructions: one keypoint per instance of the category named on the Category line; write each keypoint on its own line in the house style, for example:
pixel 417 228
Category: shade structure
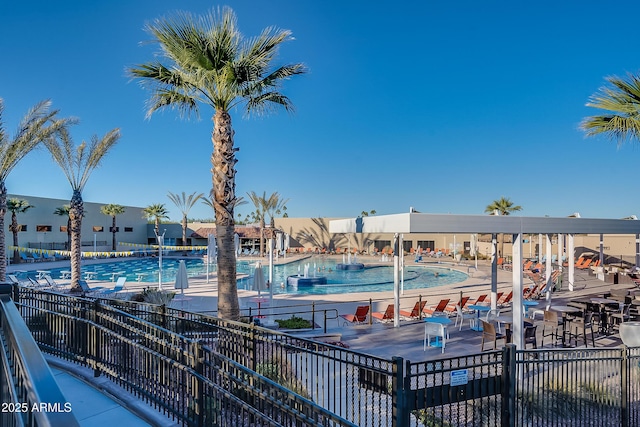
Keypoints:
pixel 259 283
pixel 182 281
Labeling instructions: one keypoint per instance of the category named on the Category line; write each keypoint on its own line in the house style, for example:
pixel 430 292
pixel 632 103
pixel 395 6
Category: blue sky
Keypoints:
pixel 443 106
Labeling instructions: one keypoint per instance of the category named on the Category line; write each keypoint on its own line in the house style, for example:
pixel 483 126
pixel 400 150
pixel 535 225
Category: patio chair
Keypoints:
pixel 578 327
pixel 387 316
pixel 437 330
pixel 461 316
pixel 491 317
pixel 358 318
pixel 437 310
pixel 551 326
pixel 119 287
pixel 530 336
pixel 416 312
pixel 490 335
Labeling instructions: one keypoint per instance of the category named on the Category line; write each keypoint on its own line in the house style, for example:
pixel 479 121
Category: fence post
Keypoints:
pixel 198 366
pixel 624 386
pixel 508 386
pixel 92 336
pixel 400 416
pixel 313 316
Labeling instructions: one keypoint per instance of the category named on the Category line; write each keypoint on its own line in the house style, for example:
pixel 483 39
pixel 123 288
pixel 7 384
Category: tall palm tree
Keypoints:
pixel 622 101
pixel 77 163
pixel 112 210
pixel 156 213
pixel 502 206
pixel 209 62
pixel 184 203
pixel 64 211
pixel 37 125
pixel 16 206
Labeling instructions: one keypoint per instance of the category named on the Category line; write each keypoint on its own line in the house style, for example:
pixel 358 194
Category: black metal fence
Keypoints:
pixel 196 367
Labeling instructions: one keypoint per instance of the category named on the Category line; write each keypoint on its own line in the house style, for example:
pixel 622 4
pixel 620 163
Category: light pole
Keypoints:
pixel 160 239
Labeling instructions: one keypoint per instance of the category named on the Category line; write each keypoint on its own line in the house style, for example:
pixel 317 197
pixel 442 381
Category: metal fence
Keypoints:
pixel 236 366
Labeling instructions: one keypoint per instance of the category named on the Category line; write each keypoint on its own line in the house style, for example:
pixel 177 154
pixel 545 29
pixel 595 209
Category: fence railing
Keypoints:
pixel 228 360
pixel 29 394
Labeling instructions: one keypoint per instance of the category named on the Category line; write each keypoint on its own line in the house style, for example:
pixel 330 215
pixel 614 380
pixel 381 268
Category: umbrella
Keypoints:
pixel 212 248
pixel 182 282
pixel 236 242
pixel 259 283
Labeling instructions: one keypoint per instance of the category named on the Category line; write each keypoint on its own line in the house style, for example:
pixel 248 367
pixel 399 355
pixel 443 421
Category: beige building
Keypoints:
pixel 42 229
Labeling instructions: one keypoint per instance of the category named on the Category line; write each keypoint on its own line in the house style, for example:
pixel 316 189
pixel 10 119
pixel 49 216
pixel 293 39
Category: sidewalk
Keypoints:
pixel 97 402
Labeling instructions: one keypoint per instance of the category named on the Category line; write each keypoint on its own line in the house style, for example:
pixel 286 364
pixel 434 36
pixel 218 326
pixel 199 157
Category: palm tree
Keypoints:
pixel 112 210
pixel 265 206
pixel 37 125
pixel 184 203
pixel 622 101
pixel 502 206
pixel 77 163
pixel 64 211
pixel 156 213
pixel 209 62
pixel 16 206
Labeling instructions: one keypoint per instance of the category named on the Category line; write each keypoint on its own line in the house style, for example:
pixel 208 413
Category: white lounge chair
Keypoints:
pixel 119 287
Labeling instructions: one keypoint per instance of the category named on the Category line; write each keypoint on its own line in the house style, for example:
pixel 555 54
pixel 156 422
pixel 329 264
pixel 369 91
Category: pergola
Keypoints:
pixel 517 226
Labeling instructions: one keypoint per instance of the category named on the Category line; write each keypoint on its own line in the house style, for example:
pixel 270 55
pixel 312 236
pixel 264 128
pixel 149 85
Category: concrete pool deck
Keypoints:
pixel 379 339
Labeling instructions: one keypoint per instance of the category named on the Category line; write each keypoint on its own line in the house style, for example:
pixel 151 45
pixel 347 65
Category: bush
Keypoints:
pixel 293 323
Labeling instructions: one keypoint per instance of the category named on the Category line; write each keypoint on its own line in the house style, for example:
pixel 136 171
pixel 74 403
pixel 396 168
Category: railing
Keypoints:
pixel 185 378
pixel 29 394
pixel 229 362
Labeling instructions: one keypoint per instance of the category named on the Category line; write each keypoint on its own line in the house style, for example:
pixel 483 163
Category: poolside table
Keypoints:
pixel 526 304
pixel 42 273
pixel 90 275
pixel 65 274
pixel 478 308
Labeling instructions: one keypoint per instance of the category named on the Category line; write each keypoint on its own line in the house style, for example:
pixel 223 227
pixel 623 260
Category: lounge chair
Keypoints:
pixel 439 309
pixel 52 283
pixel 387 316
pixel 88 290
pixel 119 287
pixel 358 318
pixel 585 265
pixel 13 279
pixel 25 258
pixel 416 312
pixel 505 299
pixel 451 308
pixel 36 257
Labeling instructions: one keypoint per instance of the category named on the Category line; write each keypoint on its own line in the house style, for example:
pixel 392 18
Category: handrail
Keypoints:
pixel 32 384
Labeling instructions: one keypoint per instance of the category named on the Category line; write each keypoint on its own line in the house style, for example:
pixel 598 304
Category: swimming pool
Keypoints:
pixel 373 279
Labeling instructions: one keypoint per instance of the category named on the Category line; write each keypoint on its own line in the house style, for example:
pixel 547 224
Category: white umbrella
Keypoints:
pixel 259 282
pixel 182 282
pixel 236 242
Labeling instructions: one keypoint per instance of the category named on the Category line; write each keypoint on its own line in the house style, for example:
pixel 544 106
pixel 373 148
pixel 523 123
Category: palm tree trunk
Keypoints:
pixel 14 230
pixel 224 187
pixel 3 250
pixel 75 217
pixel 184 230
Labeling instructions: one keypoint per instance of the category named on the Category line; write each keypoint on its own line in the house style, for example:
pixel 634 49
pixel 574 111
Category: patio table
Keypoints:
pixel 478 308
pixel 564 310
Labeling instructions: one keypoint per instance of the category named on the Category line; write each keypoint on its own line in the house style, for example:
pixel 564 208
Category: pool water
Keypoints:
pixel 374 279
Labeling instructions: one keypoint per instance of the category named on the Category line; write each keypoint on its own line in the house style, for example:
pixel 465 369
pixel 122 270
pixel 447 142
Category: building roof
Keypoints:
pixel 243 232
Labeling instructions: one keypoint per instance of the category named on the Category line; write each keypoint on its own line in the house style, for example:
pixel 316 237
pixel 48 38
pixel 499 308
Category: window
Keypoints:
pixel 43 228
pixel 111 229
pixel 63 228
pixel 128 229
pixel 424 244
pixel 22 227
pixel 98 228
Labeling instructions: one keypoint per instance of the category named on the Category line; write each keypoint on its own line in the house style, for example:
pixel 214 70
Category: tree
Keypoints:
pixel 266 206
pixel 210 63
pixel 502 206
pixel 77 163
pixel 64 211
pixel 156 213
pixel 112 210
pixel 184 203
pixel 622 101
pixel 16 206
pixel 36 126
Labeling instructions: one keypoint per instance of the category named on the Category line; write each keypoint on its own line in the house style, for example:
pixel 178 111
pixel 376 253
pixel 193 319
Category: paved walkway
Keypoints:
pixel 94 402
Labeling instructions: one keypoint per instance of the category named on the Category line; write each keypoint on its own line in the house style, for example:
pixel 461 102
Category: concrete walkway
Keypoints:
pixel 97 402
